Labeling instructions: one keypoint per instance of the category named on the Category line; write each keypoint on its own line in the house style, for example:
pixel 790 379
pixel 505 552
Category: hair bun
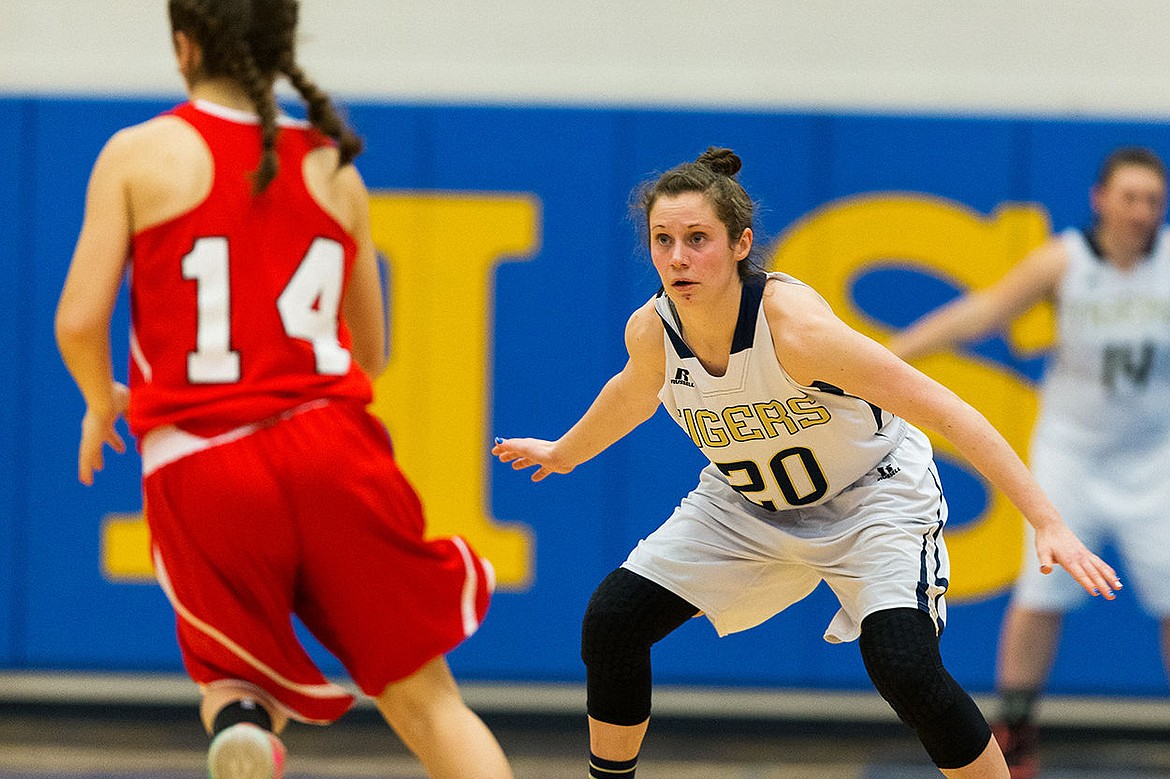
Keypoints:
pixel 720 160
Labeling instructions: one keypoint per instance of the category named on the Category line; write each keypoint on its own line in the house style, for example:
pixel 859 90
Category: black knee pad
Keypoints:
pixel 626 616
pixel 900 651
pixel 244 710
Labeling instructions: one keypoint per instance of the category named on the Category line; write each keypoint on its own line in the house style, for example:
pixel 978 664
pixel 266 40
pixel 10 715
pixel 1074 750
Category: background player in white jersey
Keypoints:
pixel 1102 443
pixel 814 475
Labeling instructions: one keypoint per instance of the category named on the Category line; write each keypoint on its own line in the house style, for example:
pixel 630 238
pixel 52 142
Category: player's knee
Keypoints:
pixel 625 617
pixel 900 651
pixel 958 736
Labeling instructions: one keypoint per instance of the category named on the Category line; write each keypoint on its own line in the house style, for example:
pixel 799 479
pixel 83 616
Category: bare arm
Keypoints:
pixel 984 311
pixel 626 401
pixel 813 344
pixel 87 303
pixel 363 305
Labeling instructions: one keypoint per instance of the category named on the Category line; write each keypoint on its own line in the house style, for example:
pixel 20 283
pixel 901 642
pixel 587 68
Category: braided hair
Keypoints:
pixel 254 42
pixel 713 175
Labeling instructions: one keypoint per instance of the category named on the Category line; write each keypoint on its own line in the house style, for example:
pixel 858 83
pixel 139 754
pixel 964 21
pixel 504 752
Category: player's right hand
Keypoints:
pixel 528 452
pixel 97 430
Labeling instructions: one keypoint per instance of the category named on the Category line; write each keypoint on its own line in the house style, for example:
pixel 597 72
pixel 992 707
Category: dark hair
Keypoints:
pixel 253 42
pixel 1130 155
pixel 713 175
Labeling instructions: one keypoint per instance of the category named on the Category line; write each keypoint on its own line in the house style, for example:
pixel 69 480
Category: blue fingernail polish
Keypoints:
pixel 1096 591
pixel 499 440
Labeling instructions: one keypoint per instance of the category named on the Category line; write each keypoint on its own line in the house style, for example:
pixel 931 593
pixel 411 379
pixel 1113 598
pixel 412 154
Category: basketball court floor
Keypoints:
pixel 148 745
pixel 694 736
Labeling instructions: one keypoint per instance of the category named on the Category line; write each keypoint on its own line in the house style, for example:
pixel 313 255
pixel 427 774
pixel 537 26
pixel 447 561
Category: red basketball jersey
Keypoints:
pixel 235 304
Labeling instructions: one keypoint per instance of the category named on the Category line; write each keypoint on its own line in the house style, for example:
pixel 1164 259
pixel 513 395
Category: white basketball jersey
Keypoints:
pixel 775 442
pixel 1106 391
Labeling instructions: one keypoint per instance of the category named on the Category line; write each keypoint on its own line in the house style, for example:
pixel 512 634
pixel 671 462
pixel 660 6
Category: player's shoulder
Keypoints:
pixel 645 321
pixel 644 328
pixel 345 181
pixel 155 130
pixel 1051 258
pixel 786 297
pixel 783 286
pixel 152 142
pixel 339 190
pixel 1058 246
pixel 644 337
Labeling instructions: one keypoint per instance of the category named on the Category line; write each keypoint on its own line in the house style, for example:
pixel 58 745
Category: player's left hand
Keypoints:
pixel 1059 546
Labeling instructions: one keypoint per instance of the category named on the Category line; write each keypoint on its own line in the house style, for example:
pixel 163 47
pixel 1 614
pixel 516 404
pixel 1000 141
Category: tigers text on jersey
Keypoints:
pixel 777 443
pixel 235 304
pixel 1107 386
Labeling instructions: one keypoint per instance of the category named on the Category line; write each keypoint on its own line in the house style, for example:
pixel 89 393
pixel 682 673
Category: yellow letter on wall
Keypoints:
pixel 434 397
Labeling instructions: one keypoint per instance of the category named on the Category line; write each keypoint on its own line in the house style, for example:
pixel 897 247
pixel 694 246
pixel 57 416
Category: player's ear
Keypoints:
pixel 1095 199
pixel 743 247
pixel 188 54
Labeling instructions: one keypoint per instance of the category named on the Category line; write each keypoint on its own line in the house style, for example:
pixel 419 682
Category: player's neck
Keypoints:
pixel 224 92
pixel 709 327
pixel 1119 251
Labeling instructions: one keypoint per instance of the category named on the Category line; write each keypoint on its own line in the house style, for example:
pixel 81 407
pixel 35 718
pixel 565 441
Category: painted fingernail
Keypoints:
pixel 1096 591
pixel 499 440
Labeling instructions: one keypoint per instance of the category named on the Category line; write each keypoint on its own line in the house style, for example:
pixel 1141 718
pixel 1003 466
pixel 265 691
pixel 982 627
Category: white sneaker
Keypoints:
pixel 245 751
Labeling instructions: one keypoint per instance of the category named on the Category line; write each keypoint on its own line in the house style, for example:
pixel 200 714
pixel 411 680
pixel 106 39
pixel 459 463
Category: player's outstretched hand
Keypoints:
pixel 527 452
pixel 1059 546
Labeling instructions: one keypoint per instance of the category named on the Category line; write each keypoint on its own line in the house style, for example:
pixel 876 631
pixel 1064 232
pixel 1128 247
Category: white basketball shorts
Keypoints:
pixel 878 545
pixel 1123 497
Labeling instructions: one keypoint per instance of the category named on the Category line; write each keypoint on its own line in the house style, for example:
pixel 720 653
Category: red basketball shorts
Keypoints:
pixel 307 514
